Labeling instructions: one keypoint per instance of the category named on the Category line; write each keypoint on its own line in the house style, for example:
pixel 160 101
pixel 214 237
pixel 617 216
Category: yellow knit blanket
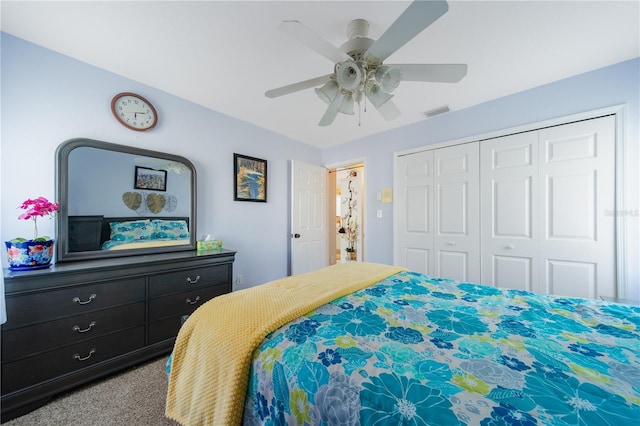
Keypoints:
pixel 213 352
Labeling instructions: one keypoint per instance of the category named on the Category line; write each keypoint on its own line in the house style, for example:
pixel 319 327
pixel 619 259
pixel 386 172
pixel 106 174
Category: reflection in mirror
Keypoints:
pixel 117 200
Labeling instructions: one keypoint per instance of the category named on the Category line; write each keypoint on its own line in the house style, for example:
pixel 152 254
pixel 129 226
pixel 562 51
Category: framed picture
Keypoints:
pixel 250 178
pixel 155 180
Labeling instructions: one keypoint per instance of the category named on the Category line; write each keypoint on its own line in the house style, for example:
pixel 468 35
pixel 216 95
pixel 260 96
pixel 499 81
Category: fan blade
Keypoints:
pixel 295 87
pixel 332 111
pixel 388 110
pixel 418 16
pixel 306 36
pixel 439 73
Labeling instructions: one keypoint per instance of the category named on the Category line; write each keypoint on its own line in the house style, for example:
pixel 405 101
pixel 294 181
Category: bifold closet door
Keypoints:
pixel 547 204
pixel 531 211
pixel 414 238
pixel 457 211
pixel 577 181
pixel 509 229
pixel 438 227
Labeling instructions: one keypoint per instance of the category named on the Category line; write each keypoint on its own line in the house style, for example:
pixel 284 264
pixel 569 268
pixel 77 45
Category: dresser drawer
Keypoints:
pixel 49 305
pixel 164 329
pixel 49 365
pixel 183 303
pixel 42 337
pixel 178 282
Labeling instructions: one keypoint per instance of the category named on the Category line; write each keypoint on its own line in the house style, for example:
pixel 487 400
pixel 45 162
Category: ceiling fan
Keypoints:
pixel 359 72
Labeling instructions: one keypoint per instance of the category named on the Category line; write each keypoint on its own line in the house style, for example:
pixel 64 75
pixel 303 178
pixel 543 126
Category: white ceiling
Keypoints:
pixel 225 55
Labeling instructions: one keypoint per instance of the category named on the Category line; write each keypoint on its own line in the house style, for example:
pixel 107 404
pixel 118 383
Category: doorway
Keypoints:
pixel 346 209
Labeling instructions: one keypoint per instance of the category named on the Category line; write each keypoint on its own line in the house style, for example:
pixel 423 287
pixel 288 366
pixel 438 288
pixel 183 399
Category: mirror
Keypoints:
pixel 117 200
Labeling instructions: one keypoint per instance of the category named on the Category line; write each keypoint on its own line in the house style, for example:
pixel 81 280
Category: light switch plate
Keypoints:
pixel 387 195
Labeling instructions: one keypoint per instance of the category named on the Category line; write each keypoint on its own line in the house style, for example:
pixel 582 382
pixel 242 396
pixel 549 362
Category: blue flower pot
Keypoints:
pixel 28 255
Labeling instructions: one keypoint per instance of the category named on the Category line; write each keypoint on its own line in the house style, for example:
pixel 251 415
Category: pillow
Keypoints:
pixel 172 229
pixel 132 230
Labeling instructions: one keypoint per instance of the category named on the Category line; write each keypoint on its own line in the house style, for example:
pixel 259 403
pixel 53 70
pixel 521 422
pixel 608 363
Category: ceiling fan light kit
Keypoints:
pixel 359 72
pixel 328 91
pixel 377 96
pixel 349 75
pixel 389 78
pixel 346 107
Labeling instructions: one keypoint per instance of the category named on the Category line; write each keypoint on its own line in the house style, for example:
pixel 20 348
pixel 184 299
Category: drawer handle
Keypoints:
pixel 194 302
pixel 80 302
pixel 79 358
pixel 190 281
pixel 84 330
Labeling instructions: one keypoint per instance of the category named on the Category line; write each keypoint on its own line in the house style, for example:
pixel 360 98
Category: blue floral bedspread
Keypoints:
pixel 415 350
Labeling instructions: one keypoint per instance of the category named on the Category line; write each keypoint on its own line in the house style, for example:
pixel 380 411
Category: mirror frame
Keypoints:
pixel 62 196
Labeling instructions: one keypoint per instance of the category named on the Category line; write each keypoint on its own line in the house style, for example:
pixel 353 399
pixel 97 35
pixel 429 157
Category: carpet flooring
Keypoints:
pixel 134 397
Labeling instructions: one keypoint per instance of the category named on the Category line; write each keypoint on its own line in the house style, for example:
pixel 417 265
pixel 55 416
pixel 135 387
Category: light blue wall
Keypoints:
pixel 48 98
pixel 615 85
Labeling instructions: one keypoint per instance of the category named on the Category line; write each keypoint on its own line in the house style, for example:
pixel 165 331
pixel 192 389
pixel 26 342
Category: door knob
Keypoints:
pixel 296 235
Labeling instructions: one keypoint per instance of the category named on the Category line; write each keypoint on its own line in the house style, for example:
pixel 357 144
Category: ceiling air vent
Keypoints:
pixel 437 111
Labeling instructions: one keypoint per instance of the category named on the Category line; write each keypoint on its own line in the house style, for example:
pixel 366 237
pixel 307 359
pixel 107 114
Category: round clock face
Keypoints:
pixel 134 111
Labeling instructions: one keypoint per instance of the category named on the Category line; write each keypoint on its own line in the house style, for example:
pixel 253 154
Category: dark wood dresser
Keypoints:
pixel 75 322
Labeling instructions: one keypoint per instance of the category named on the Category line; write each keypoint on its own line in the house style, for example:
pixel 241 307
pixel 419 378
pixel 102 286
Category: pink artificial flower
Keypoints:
pixel 37 208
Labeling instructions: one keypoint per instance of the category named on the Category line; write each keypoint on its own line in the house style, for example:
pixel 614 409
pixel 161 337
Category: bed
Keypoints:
pixel 367 344
pixel 122 233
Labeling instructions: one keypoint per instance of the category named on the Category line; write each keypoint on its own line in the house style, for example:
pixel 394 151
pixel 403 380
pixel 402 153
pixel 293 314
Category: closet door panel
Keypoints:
pixel 415 212
pixel 513 272
pixel 571 278
pixel 453 215
pixel 577 171
pixel 417 259
pixel 575 194
pixel 453 265
pixel 509 188
pixel 457 229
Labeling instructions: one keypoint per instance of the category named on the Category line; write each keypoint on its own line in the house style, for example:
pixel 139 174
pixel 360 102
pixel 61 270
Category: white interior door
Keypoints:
pixel 457 212
pixel 577 181
pixel 309 233
pixel 509 215
pixel 414 217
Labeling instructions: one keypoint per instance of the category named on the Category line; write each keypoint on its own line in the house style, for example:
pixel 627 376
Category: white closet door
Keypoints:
pixel 414 173
pixel 456 202
pixel 546 217
pixel 577 180
pixel 509 188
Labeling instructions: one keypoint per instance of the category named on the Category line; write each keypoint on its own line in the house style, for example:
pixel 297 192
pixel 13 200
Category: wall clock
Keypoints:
pixel 134 112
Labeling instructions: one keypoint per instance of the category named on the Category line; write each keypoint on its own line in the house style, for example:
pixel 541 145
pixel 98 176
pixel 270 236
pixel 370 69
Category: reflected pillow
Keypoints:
pixel 132 230
pixel 171 229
